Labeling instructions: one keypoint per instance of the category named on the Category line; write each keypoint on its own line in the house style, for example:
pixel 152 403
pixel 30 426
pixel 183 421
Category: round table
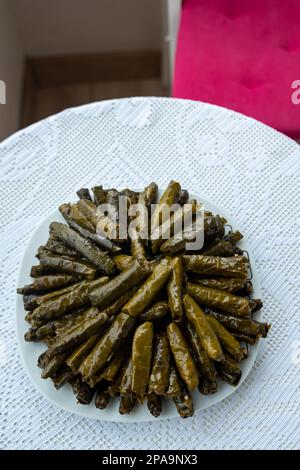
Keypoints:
pixel 240 164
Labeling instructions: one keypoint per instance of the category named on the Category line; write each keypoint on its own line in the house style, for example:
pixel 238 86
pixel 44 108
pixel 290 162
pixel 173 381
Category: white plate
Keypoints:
pixel 64 398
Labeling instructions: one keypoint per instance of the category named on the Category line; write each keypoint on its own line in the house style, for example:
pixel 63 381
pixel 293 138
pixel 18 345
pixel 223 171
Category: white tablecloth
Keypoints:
pixel 242 165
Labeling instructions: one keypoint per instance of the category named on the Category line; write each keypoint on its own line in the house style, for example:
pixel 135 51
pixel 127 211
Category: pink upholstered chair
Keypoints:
pixel 244 55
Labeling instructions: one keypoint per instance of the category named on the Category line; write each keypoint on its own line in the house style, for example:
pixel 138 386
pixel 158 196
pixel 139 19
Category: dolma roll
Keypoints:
pixel 212 228
pixel 127 397
pixel 171 226
pixel 228 342
pixel 229 370
pixel 102 397
pixel 60 248
pixel 246 326
pixel 66 264
pixel 141 359
pixel 174 289
pixel 78 355
pixel 84 193
pixel 99 195
pixel 154 403
pixel 232 267
pixel 77 221
pixel 204 330
pixel 123 261
pixel 52 364
pixel 123 282
pixel 159 378
pixel 39 270
pixel 208 374
pixel 184 403
pixel 182 356
pixel 222 300
pixel 174 388
pixel 85 247
pixel 222 248
pixel 155 312
pixel 104 349
pixel 149 290
pixel 227 284
pixel 58 306
pixel 234 236
pixel 48 283
pixel 76 334
pixel 113 367
pixel 168 198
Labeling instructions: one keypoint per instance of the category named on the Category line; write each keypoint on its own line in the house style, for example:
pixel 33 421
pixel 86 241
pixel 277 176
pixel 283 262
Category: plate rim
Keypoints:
pixel 110 415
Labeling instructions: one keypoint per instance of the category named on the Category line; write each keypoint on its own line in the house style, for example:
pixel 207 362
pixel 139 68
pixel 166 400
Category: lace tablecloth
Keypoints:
pixel 241 165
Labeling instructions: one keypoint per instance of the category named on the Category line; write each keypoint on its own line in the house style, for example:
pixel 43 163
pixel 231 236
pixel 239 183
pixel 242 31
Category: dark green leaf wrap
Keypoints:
pixel 151 194
pixel 76 220
pixel 99 195
pixel 228 342
pixel 246 326
pixel 79 354
pixel 159 378
pixel 60 248
pixel 232 267
pixel 84 193
pixel 147 293
pixel 234 237
pixel 174 289
pixel 85 247
pixel 154 404
pixel 213 228
pixel 102 398
pixel 174 388
pixel 62 304
pixel 206 367
pixel 113 367
pixel 58 306
pixel 170 227
pixel 155 312
pixel 93 320
pixel 127 397
pixel 123 261
pixel 168 198
pixel 48 283
pixel 222 300
pixel 182 356
pixel 229 370
pixel 227 284
pixel 39 270
pixel 104 349
pixel 141 359
pixel 53 364
pixel 126 280
pixel 222 248
pixel 204 330
pixel 67 264
pixel 184 404
pixel 57 293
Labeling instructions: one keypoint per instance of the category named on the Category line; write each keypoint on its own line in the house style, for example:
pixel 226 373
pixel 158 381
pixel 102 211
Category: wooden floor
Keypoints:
pixel 50 100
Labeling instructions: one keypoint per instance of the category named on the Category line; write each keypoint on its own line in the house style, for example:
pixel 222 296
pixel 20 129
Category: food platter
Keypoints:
pixel 64 397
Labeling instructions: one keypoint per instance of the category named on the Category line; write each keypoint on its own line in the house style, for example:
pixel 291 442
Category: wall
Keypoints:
pixel 11 71
pixel 81 26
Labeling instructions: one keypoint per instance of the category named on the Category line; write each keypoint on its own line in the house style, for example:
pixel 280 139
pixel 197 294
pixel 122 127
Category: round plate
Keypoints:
pixel 64 398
